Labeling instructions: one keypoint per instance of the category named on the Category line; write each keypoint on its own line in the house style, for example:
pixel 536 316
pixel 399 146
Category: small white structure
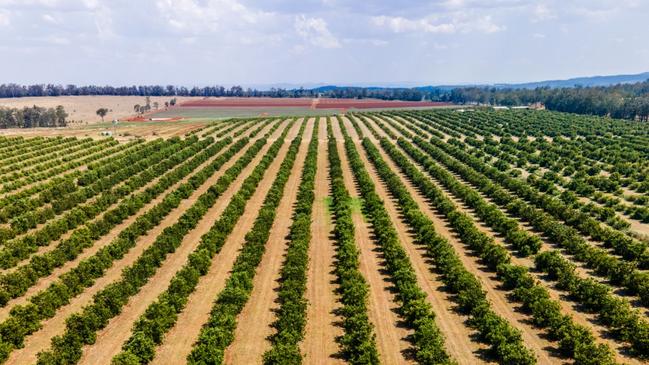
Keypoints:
pixel 500 108
pixel 106 134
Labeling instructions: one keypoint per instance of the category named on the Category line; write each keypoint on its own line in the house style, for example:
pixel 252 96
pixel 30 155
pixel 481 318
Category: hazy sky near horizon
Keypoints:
pixel 254 42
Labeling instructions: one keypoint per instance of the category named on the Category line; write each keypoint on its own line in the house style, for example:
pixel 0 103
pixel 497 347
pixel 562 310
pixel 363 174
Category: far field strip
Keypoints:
pixel 111 338
pixel 97 157
pixel 391 335
pixel 322 328
pixel 74 150
pixel 55 326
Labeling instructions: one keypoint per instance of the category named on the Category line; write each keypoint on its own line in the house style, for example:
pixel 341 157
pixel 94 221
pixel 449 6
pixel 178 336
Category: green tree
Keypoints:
pixel 102 113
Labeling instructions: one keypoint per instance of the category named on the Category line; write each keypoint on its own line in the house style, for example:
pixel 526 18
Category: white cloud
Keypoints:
pixel 315 31
pixel 49 18
pixel 208 16
pixel 58 41
pixel 543 12
pixel 459 23
pixel 399 24
pixel 4 18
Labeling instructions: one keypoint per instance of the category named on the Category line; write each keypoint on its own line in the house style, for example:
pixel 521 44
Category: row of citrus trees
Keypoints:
pixel 291 315
pixel 81 327
pixel 575 341
pixel 16 282
pixel 358 344
pixel 623 245
pixel 15 146
pixel 620 271
pixel 149 330
pixel 525 243
pixel 23 156
pixel 25 167
pixel 89 194
pixel 414 307
pixel 45 180
pixel 127 181
pixel 26 319
pixel 614 312
pixel 93 173
pixel 219 330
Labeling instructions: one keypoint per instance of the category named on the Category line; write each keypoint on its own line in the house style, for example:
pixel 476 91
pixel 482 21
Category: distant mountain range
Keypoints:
pixel 589 81
pixel 581 81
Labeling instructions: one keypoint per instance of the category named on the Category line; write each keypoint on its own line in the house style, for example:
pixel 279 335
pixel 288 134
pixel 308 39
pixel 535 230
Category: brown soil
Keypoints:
pixel 40 340
pixel 390 332
pixel 254 322
pixel 84 108
pixel 319 345
pixel 180 339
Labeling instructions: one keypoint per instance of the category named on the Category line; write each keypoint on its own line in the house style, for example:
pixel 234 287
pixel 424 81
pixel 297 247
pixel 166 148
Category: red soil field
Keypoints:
pixel 373 104
pixel 323 103
pixel 248 102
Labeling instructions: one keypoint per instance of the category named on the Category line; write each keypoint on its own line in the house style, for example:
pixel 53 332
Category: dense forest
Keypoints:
pixel 628 101
pixel 32 117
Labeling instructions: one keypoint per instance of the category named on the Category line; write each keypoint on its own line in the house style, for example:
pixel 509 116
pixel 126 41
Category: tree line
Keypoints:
pixel 627 101
pixel 32 117
pixel 410 94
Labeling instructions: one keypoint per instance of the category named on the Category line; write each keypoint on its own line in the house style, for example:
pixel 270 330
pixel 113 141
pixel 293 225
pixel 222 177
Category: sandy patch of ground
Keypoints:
pixel 82 109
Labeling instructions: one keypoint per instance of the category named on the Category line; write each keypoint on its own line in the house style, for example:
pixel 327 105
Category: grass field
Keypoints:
pixel 426 236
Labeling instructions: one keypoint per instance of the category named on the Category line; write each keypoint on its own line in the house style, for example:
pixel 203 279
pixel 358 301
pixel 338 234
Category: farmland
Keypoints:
pixel 402 236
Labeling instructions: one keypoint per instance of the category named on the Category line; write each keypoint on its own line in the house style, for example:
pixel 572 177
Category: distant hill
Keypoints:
pixel 589 81
pixel 581 81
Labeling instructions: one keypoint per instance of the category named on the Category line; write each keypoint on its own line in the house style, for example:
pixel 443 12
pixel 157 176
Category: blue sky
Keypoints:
pixel 250 42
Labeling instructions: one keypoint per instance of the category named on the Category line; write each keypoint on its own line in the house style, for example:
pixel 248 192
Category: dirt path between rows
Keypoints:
pixel 255 320
pixel 179 340
pixel 568 305
pixel 391 333
pixel 498 297
pixel 458 336
pixel 110 339
pixel 319 345
pixel 54 326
